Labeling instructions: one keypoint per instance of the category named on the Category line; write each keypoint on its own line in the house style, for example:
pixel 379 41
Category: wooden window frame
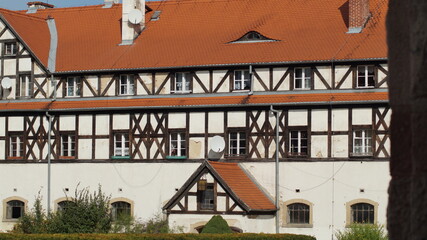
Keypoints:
pixel 200 196
pixel 366 76
pixel 288 145
pixel 61 145
pixel 182 133
pixel 186 77
pixel 246 148
pixel 13 53
pixel 364 129
pixel 27 88
pixel 76 87
pixel 9 145
pixel 242 81
pixel 129 85
pixel 302 79
pixel 123 143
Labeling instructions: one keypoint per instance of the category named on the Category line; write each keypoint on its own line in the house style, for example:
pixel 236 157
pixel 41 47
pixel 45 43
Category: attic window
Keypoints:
pixel 253 36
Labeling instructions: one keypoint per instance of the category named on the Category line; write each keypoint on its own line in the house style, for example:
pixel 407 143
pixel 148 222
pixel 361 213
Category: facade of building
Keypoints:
pixel 140 106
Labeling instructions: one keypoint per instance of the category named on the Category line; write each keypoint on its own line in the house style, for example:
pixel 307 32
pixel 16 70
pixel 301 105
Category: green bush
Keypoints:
pixel 217 224
pixel 362 232
pixel 237 236
pixel 155 225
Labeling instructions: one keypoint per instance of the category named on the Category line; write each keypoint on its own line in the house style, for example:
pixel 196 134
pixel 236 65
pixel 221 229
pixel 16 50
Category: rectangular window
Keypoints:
pixel 177 144
pixel 237 143
pixel 10 49
pixel 242 80
pixel 302 78
pixel 121 145
pixel 362 142
pixel 16 146
pixel 68 145
pixel 26 86
pixel 126 86
pixel 365 77
pixel 73 87
pixel 205 195
pixel 182 82
pixel 298 144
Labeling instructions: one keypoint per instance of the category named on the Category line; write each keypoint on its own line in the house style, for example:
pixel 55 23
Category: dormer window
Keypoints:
pixel 253 36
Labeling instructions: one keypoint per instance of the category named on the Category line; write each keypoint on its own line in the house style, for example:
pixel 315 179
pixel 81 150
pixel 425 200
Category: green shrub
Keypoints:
pixel 217 224
pixel 362 232
pixel 155 225
pixel 237 236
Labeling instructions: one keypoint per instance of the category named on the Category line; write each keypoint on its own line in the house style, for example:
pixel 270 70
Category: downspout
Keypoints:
pixel 51 68
pixel 276 112
pixel 251 80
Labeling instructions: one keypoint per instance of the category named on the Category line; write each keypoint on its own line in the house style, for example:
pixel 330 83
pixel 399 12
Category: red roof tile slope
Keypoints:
pixel 196 101
pixel 199 32
pixel 243 186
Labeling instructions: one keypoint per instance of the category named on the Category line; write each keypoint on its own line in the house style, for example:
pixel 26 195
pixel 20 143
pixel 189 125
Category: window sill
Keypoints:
pixel 241 90
pixel 67 158
pixel 176 157
pixel 126 95
pixel 15 158
pixel 181 92
pixel 363 87
pixel 302 225
pixel 361 155
pixel 10 220
pixel 302 89
pixel 119 157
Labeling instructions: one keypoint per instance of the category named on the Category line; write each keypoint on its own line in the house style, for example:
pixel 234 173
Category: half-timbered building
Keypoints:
pixel 140 107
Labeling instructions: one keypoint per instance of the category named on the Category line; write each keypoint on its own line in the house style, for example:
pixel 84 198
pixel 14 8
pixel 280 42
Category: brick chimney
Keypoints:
pixel 130 31
pixel 358 15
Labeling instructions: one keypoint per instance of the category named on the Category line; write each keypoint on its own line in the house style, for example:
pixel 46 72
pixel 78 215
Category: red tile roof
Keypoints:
pixel 195 101
pixel 243 186
pixel 199 32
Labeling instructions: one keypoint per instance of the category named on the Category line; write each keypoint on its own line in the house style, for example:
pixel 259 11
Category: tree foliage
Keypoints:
pixel 217 224
pixel 362 232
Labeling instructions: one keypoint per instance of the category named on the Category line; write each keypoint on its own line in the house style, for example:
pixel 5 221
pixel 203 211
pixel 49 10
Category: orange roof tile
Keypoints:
pixel 195 101
pixel 199 32
pixel 240 183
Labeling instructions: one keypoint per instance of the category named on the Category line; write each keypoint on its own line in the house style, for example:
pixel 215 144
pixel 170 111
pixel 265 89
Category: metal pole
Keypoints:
pixel 49 144
pixel 277 167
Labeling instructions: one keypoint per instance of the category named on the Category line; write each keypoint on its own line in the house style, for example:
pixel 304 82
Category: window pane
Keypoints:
pixel 238 75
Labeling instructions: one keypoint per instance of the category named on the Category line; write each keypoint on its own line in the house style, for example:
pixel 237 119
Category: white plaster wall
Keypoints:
pixel 340 119
pixel 319 146
pixel 340 71
pixel 264 74
pixel 196 148
pixel 85 149
pixel 176 120
pixel 25 64
pixel 236 119
pixel 2 126
pixel 298 117
pixel 102 124
pixel 9 67
pixel 16 124
pixel 93 81
pixel 325 71
pixel 340 146
pixel 216 122
pixel 67 123
pixel 277 75
pixel 45 87
pixel 102 150
pixel 146 79
pixel 85 125
pixel 382 75
pixel 105 80
pixel 37 69
pixel 121 122
pixel 2 150
pixel 217 77
pixel 319 120
pixel 197 122
pixel 160 78
pixel 7 36
pixel 362 116
pixel 204 78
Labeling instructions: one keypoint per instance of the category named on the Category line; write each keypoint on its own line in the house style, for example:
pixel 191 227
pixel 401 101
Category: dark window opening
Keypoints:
pixel 362 213
pixel 298 213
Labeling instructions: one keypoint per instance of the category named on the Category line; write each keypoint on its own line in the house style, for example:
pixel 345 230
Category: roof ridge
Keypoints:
pixel 19 14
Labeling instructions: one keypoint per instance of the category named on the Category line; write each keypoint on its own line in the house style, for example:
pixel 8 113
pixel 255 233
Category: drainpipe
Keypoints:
pixel 276 112
pixel 251 80
pixel 49 148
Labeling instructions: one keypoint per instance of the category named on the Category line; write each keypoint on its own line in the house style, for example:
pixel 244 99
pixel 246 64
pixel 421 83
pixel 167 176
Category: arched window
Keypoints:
pixel 62 205
pixel 298 213
pixel 15 209
pixel 363 213
pixel 120 209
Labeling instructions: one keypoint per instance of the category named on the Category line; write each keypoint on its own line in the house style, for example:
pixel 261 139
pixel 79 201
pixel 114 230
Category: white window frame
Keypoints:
pixel 25 85
pixel 13 49
pixel 240 150
pixel 122 150
pixel 366 147
pixel 299 142
pixel 365 76
pixel 67 149
pixel 241 82
pixel 185 80
pixel 126 84
pixel 181 144
pixel 16 142
pixel 305 80
pixel 73 84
